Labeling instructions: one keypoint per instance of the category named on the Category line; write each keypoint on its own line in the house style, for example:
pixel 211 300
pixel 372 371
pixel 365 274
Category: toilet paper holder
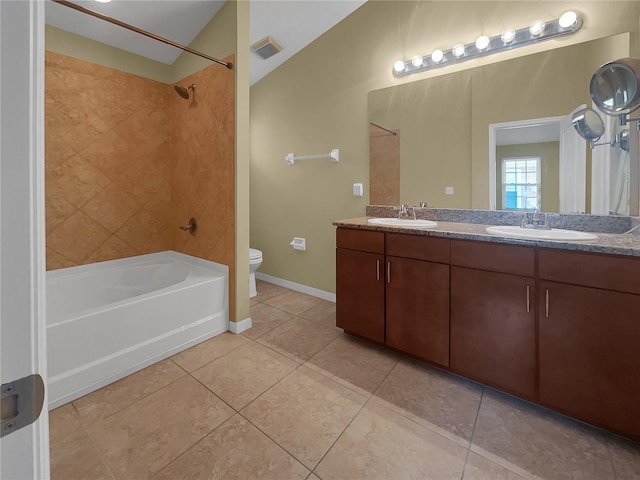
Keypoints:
pixel 298 243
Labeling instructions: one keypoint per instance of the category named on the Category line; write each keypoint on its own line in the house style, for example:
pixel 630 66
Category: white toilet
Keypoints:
pixel 255 260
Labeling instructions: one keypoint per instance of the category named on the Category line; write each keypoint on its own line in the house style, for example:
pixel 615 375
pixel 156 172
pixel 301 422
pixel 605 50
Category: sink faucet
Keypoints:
pixel 407 212
pixel 538 220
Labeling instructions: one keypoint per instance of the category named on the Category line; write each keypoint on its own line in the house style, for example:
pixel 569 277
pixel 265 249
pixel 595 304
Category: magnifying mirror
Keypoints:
pixel 588 124
pixel 615 86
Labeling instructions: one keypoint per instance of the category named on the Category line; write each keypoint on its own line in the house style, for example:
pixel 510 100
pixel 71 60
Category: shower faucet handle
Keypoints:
pixel 190 227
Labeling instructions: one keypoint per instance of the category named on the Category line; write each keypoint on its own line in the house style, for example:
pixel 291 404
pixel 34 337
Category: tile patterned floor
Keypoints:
pixel 295 398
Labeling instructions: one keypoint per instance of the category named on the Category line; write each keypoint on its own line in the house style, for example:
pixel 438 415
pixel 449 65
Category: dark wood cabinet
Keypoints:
pixel 589 338
pixel 417 313
pixel 557 327
pixel 360 284
pixel 493 330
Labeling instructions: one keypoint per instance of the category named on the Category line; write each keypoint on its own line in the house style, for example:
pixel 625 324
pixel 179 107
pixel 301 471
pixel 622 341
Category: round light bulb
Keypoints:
pixel 482 42
pixel 508 37
pixel 398 66
pixel 458 50
pixel 416 61
pixel 103 1
pixel 437 56
pixel 568 19
pixel 536 29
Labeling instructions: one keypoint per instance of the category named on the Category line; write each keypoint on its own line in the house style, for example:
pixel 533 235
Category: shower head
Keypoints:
pixel 184 91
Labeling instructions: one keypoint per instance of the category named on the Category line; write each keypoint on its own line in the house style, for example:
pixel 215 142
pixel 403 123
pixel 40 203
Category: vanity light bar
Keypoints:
pixel 536 32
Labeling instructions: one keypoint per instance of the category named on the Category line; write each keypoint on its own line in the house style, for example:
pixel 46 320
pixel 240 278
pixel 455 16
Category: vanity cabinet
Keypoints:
pixel 360 283
pixel 417 296
pixel 589 337
pixel 558 327
pixel 493 324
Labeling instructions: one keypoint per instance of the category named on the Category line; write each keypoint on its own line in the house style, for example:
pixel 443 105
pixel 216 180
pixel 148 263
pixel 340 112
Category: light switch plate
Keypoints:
pixel 448 190
pixel 358 189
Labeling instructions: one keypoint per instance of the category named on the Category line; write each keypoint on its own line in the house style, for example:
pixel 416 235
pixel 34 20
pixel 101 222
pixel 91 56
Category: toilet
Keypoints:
pixel 255 260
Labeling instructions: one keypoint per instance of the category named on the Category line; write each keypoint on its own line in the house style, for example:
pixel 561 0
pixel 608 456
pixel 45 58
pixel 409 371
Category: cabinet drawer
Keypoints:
pixel 610 272
pixel 419 247
pixel 511 259
pixel 363 240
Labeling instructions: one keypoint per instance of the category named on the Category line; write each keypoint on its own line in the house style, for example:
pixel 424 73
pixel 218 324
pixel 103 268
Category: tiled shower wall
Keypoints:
pixel 203 167
pixel 128 161
pixel 107 163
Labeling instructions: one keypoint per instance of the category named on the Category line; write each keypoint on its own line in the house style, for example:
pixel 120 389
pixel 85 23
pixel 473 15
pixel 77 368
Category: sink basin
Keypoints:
pixel 540 234
pixel 402 222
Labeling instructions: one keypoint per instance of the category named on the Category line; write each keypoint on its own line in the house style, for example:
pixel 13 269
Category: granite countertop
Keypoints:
pixel 609 243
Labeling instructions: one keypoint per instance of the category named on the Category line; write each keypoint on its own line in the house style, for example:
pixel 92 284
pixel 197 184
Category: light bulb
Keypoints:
pixel 103 1
pixel 482 42
pixel 398 66
pixel 416 61
pixel 508 36
pixel 458 50
pixel 437 56
pixel 536 29
pixel 568 19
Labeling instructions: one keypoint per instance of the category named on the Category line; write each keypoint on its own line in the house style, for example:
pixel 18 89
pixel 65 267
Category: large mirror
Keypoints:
pixel 497 136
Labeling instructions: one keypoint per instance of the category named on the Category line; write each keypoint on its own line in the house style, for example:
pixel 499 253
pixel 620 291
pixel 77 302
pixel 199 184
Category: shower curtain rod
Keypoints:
pixel 106 18
pixel 385 129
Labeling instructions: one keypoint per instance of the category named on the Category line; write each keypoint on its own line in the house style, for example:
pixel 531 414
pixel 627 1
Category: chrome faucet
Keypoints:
pixel 538 220
pixel 407 212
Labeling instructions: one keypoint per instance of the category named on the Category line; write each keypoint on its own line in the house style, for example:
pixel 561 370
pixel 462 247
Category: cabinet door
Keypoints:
pixel 360 293
pixel 493 331
pixel 589 354
pixel 417 297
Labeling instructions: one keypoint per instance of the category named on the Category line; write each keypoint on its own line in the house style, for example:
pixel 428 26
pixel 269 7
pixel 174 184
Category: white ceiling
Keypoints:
pixel 549 132
pixel 293 23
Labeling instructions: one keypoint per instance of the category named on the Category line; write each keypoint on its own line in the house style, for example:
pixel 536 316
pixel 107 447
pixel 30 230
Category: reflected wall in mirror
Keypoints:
pixel 443 124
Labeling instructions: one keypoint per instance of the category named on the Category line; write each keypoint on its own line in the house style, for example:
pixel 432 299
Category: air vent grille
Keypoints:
pixel 267 47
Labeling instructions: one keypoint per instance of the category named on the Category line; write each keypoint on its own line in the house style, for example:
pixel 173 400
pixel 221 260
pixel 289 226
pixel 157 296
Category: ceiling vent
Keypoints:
pixel 267 47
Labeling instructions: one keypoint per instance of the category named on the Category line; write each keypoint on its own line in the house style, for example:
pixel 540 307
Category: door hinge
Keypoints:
pixel 22 402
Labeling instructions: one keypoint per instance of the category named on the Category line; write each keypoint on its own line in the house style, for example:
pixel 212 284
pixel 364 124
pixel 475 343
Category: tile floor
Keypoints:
pixel 294 397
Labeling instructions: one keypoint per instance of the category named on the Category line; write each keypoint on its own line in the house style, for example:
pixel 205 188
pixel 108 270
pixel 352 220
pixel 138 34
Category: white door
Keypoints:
pixel 24 453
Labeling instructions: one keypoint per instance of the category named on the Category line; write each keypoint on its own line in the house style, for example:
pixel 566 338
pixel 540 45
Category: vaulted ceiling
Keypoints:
pixel 293 23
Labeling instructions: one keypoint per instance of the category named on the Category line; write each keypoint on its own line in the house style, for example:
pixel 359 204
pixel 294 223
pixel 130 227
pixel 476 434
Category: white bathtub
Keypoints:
pixel 107 320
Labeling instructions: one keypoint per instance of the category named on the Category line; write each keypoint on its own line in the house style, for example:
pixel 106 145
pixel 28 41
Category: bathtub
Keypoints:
pixel 107 320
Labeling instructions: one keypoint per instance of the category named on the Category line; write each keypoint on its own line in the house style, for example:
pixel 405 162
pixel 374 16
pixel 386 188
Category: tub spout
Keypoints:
pixel 190 227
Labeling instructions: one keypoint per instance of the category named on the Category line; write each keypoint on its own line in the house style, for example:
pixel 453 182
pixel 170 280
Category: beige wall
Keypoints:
pixel 317 101
pixel 549 153
pixel 72 45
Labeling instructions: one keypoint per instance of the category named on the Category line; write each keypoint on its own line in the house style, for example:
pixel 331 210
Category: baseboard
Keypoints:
pixel 298 287
pixel 241 326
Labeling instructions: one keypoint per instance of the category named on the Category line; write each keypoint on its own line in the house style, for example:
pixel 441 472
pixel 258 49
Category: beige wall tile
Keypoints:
pixel 77 237
pixel 111 207
pixel 107 153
